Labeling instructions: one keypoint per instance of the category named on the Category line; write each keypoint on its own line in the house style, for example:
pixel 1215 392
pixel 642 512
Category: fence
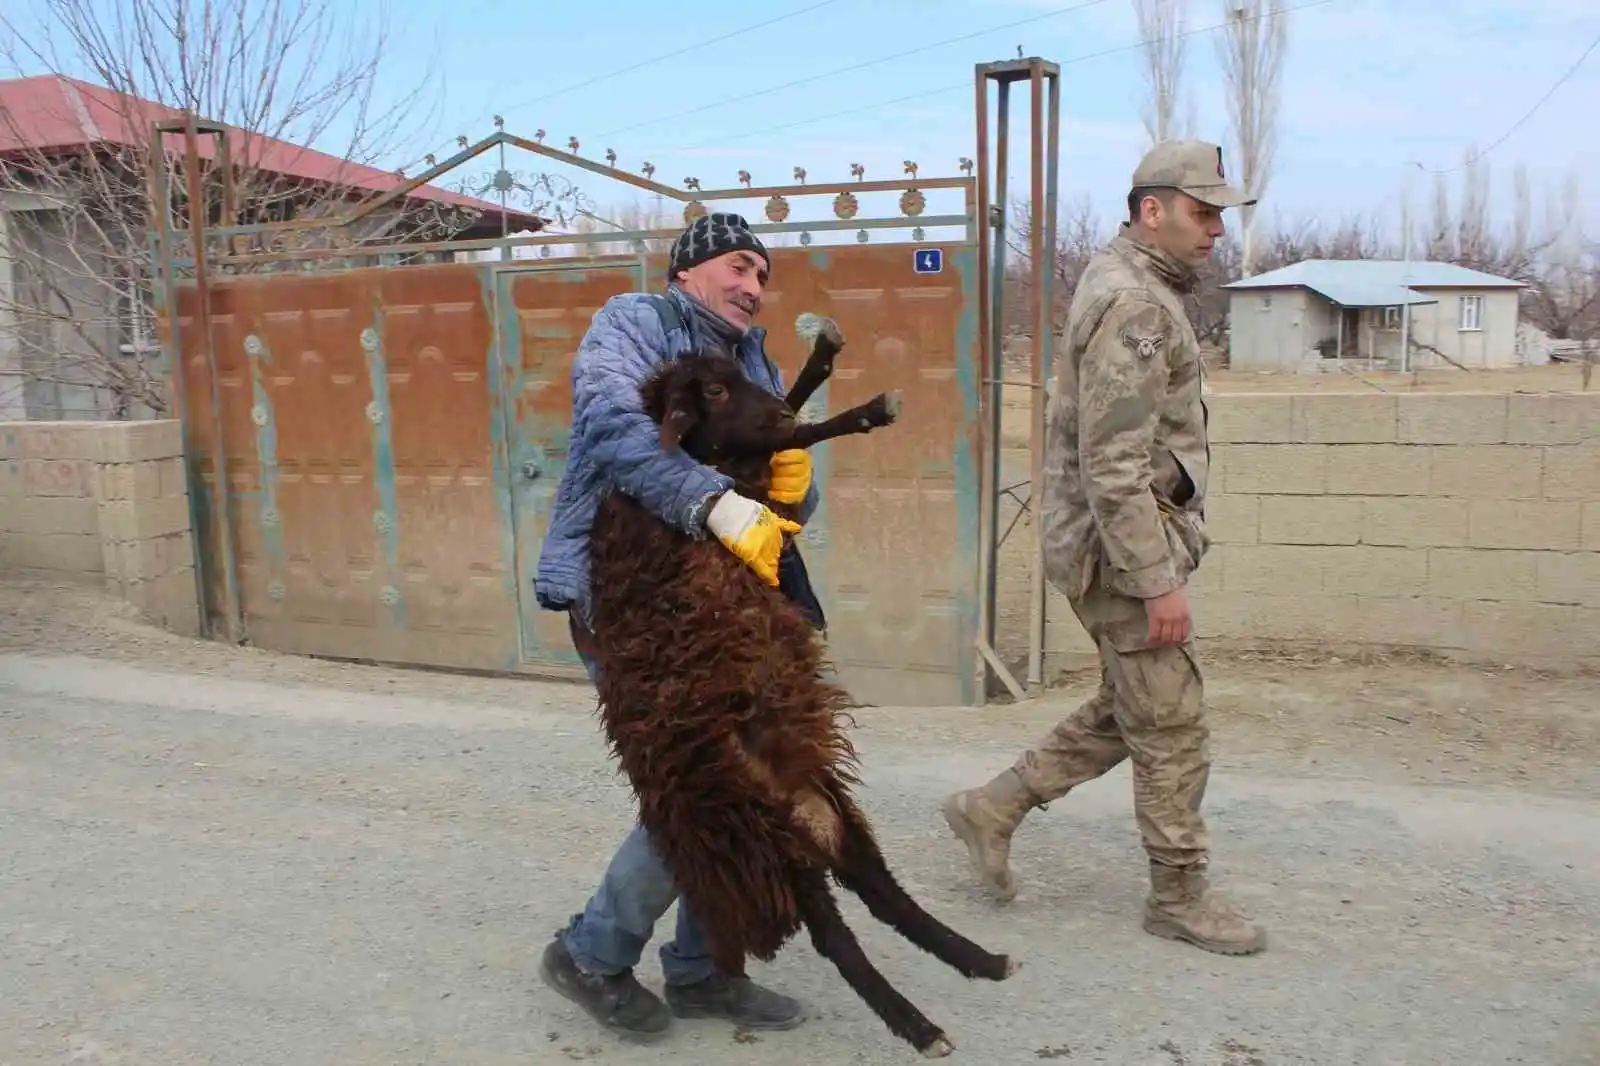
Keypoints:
pixel 1466 524
pixel 103 501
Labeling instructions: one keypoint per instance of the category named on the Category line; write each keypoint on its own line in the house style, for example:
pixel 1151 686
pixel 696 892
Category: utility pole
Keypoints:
pixel 1405 276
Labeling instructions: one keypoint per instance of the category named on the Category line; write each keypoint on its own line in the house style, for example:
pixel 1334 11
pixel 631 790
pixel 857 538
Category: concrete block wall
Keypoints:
pixel 1465 524
pixel 106 501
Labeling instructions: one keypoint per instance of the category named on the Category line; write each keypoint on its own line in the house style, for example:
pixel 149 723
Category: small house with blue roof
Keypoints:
pixel 1303 316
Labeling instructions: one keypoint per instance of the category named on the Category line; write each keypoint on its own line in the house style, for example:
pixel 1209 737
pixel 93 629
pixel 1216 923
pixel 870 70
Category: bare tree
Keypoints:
pixel 1472 225
pixel 1522 219
pixel 1251 51
pixel 1563 297
pixel 1480 244
pixel 1079 236
pixel 1441 233
pixel 285 76
pixel 631 217
pixel 1162 41
pixel 1468 235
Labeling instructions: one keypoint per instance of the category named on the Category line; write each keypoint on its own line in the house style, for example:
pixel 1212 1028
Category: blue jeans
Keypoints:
pixel 611 932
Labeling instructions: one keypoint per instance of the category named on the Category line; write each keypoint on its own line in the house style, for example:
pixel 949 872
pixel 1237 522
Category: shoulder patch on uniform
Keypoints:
pixel 1145 346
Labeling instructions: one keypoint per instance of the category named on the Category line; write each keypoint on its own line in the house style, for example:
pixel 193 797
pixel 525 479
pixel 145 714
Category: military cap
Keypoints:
pixel 1193 167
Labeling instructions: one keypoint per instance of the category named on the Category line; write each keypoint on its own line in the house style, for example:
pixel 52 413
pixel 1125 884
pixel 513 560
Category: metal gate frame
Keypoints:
pixel 992 201
pixel 184 257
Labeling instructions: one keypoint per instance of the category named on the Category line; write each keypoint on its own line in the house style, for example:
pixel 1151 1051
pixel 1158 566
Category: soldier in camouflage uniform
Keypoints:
pixel 1123 528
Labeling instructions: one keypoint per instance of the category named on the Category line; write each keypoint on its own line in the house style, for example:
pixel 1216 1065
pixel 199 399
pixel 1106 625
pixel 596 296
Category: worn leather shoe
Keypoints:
pixel 617 1001
pixel 735 999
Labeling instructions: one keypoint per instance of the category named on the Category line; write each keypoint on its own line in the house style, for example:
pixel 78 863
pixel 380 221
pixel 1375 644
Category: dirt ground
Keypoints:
pixel 1404 717
pixel 215 855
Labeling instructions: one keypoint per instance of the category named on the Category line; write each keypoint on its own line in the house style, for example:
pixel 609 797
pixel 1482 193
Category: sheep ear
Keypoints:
pixel 679 420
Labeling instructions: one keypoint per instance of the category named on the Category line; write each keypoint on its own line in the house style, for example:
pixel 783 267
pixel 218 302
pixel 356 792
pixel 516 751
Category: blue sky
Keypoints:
pixel 1368 86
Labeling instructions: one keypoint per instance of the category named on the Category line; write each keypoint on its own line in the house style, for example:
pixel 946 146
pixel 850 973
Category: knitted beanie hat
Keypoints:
pixel 710 236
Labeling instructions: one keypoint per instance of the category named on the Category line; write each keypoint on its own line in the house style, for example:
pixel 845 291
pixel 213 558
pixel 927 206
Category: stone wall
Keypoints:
pixel 1461 523
pixel 102 501
pixel 1466 524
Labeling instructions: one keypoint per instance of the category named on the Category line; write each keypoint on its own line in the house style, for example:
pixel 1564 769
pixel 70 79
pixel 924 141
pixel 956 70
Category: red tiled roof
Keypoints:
pixel 51 113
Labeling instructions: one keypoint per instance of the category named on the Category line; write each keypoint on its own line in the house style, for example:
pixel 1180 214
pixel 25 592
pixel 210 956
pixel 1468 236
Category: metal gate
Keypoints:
pixel 392 435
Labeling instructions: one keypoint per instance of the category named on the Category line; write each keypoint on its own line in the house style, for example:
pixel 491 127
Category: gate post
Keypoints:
pixel 1043 165
pixel 165 281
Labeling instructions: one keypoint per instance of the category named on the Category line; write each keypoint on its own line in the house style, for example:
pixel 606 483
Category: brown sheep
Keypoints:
pixel 713 697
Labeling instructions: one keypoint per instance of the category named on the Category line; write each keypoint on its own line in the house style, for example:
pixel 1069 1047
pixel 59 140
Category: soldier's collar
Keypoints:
pixel 1172 270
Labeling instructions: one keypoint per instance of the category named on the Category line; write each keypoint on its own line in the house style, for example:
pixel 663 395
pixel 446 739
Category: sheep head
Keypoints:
pixel 706 407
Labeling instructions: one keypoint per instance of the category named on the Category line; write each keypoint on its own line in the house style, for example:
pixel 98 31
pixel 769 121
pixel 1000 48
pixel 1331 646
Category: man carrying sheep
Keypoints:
pixel 1122 519
pixel 717 272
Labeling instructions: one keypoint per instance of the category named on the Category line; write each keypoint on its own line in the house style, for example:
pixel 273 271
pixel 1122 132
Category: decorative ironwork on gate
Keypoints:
pixel 236 248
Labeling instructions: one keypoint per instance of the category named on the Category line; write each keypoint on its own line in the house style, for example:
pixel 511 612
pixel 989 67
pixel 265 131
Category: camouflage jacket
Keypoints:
pixel 1127 459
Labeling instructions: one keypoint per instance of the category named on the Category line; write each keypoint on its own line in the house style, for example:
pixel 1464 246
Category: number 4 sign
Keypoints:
pixel 927 260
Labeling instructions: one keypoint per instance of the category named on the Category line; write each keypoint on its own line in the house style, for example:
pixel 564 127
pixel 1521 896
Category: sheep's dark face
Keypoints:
pixel 706 406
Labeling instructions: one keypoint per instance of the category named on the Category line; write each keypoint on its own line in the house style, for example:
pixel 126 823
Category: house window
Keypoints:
pixel 1391 318
pixel 1471 313
pixel 136 327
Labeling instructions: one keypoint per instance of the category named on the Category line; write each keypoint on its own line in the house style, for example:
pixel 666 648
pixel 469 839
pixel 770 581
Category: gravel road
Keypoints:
pixel 291 864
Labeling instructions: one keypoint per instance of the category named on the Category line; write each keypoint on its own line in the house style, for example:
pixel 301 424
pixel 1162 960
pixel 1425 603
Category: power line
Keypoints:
pixel 1527 114
pixel 743 97
pixel 968 83
pixel 487 109
pixel 946 88
pixel 631 67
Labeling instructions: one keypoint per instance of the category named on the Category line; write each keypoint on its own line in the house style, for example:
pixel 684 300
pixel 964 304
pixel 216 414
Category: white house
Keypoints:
pixel 1300 316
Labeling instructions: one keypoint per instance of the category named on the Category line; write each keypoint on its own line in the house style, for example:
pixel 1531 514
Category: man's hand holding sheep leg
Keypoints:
pixel 791 475
pixel 751 531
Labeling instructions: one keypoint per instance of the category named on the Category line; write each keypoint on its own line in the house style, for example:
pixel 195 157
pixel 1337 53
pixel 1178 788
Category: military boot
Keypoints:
pixel 1181 907
pixel 984 819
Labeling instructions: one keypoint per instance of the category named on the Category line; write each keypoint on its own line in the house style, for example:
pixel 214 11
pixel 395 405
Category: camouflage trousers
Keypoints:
pixel 1150 708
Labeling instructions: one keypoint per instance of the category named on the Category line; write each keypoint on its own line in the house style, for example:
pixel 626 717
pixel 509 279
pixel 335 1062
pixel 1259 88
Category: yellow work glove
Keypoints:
pixel 791 475
pixel 751 531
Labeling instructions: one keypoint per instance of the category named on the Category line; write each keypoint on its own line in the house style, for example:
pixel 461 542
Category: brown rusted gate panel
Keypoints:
pixel 396 436
pixel 894 544
pixel 357 410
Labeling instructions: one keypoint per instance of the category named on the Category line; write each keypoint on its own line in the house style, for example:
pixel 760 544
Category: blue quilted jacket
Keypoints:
pixel 615 445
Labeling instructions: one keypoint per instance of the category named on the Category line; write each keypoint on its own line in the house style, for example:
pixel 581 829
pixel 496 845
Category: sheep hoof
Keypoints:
pixel 892 402
pixel 938 1049
pixel 810 325
pixel 831 330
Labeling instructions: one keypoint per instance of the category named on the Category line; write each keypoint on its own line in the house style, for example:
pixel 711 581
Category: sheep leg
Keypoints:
pixel 835 942
pixel 863 870
pixel 877 412
pixel 827 344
